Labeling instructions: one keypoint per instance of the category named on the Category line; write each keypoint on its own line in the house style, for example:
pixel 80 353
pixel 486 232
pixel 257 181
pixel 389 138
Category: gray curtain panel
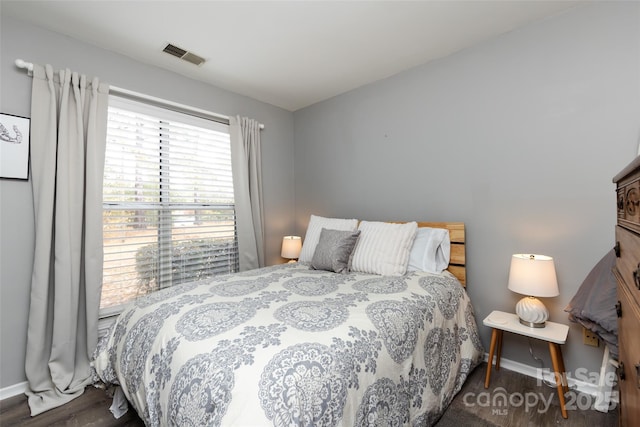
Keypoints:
pixel 246 161
pixel 68 137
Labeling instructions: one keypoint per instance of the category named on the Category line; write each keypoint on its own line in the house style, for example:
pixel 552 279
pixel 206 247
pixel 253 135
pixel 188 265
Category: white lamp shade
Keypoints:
pixel 533 275
pixel 291 246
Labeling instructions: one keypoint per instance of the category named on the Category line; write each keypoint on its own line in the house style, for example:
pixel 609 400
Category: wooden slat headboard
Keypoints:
pixel 457 263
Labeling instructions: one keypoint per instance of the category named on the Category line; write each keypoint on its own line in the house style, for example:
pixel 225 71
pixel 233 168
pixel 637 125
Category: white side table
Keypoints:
pixel 554 334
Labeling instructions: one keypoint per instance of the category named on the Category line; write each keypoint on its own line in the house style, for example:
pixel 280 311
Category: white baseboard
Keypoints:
pixel 530 371
pixel 13 390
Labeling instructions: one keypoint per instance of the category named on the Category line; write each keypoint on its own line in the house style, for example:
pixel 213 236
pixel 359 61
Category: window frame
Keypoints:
pixel 183 115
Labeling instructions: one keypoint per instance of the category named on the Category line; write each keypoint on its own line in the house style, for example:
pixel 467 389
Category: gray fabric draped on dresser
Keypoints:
pixel 246 163
pixel 68 136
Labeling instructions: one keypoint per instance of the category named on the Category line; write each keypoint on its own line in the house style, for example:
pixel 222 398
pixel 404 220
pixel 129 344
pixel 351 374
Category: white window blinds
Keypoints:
pixel 168 199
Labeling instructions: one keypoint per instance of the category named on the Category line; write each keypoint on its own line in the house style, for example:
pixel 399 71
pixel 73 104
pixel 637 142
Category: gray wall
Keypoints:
pixel 518 137
pixel 21 40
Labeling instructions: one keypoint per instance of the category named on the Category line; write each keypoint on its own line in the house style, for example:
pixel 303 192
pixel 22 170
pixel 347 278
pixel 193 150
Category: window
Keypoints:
pixel 168 202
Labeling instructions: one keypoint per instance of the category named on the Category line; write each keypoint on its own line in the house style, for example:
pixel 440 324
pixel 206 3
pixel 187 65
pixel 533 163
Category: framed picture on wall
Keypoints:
pixel 14 147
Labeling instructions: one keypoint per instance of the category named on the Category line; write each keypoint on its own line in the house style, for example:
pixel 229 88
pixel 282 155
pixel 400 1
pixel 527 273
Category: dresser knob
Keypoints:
pixel 616 249
pixel 638 374
pixel 619 309
pixel 621 373
pixel 636 277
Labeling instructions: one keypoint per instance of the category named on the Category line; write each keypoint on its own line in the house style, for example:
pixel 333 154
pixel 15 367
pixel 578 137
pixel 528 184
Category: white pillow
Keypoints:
pixel 316 224
pixel 383 248
pixel 431 250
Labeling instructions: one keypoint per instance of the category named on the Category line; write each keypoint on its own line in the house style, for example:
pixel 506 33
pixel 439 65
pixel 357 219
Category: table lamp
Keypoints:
pixel 533 276
pixel 291 246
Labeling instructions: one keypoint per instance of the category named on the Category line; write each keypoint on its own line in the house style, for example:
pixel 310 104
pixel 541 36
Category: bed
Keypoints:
pixel 293 344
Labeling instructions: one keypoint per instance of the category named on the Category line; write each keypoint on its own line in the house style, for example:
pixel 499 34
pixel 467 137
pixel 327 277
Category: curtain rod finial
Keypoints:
pixel 22 64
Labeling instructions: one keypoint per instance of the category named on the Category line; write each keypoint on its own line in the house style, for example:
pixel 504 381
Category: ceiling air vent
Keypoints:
pixel 183 54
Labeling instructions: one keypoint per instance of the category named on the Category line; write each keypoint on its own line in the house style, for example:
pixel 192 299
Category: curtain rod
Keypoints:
pixel 152 99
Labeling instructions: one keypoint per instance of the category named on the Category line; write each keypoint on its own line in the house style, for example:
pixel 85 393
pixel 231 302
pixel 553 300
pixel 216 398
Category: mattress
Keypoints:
pixel 288 345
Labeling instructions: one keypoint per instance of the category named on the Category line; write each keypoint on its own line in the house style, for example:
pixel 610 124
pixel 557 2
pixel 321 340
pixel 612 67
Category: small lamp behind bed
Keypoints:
pixel 291 246
pixel 533 276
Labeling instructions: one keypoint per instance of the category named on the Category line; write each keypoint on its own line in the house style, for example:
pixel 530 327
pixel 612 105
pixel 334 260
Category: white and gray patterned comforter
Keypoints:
pixel 286 345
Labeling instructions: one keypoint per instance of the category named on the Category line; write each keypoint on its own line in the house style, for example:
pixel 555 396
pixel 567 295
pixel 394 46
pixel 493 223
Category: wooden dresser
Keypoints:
pixel 627 272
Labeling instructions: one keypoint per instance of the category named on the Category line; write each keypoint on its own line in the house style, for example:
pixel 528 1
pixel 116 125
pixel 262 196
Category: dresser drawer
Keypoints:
pixel 629 203
pixel 629 360
pixel 628 263
pixel 628 195
pixel 620 203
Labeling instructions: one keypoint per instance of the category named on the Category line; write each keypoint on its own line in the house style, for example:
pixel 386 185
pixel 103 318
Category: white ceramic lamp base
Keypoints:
pixel 532 312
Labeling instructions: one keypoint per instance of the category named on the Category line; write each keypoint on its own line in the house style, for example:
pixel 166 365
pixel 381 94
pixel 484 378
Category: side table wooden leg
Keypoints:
pixel 492 347
pixel 558 369
pixel 565 383
pixel 499 350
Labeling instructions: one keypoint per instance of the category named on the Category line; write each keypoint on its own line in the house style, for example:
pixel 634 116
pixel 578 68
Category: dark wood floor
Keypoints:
pixel 486 404
pixel 92 408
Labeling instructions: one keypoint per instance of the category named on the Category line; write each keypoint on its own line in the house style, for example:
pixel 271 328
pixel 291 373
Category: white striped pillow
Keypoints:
pixel 316 224
pixel 383 248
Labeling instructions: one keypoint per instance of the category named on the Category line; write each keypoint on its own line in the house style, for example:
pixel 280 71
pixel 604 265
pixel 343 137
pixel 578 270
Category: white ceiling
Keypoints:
pixel 289 53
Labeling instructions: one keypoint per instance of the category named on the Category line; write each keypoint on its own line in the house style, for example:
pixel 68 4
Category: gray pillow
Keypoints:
pixel 334 250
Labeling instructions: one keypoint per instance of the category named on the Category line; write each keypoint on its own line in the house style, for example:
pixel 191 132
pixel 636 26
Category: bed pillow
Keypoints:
pixel 383 248
pixel 334 249
pixel 316 224
pixel 431 250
